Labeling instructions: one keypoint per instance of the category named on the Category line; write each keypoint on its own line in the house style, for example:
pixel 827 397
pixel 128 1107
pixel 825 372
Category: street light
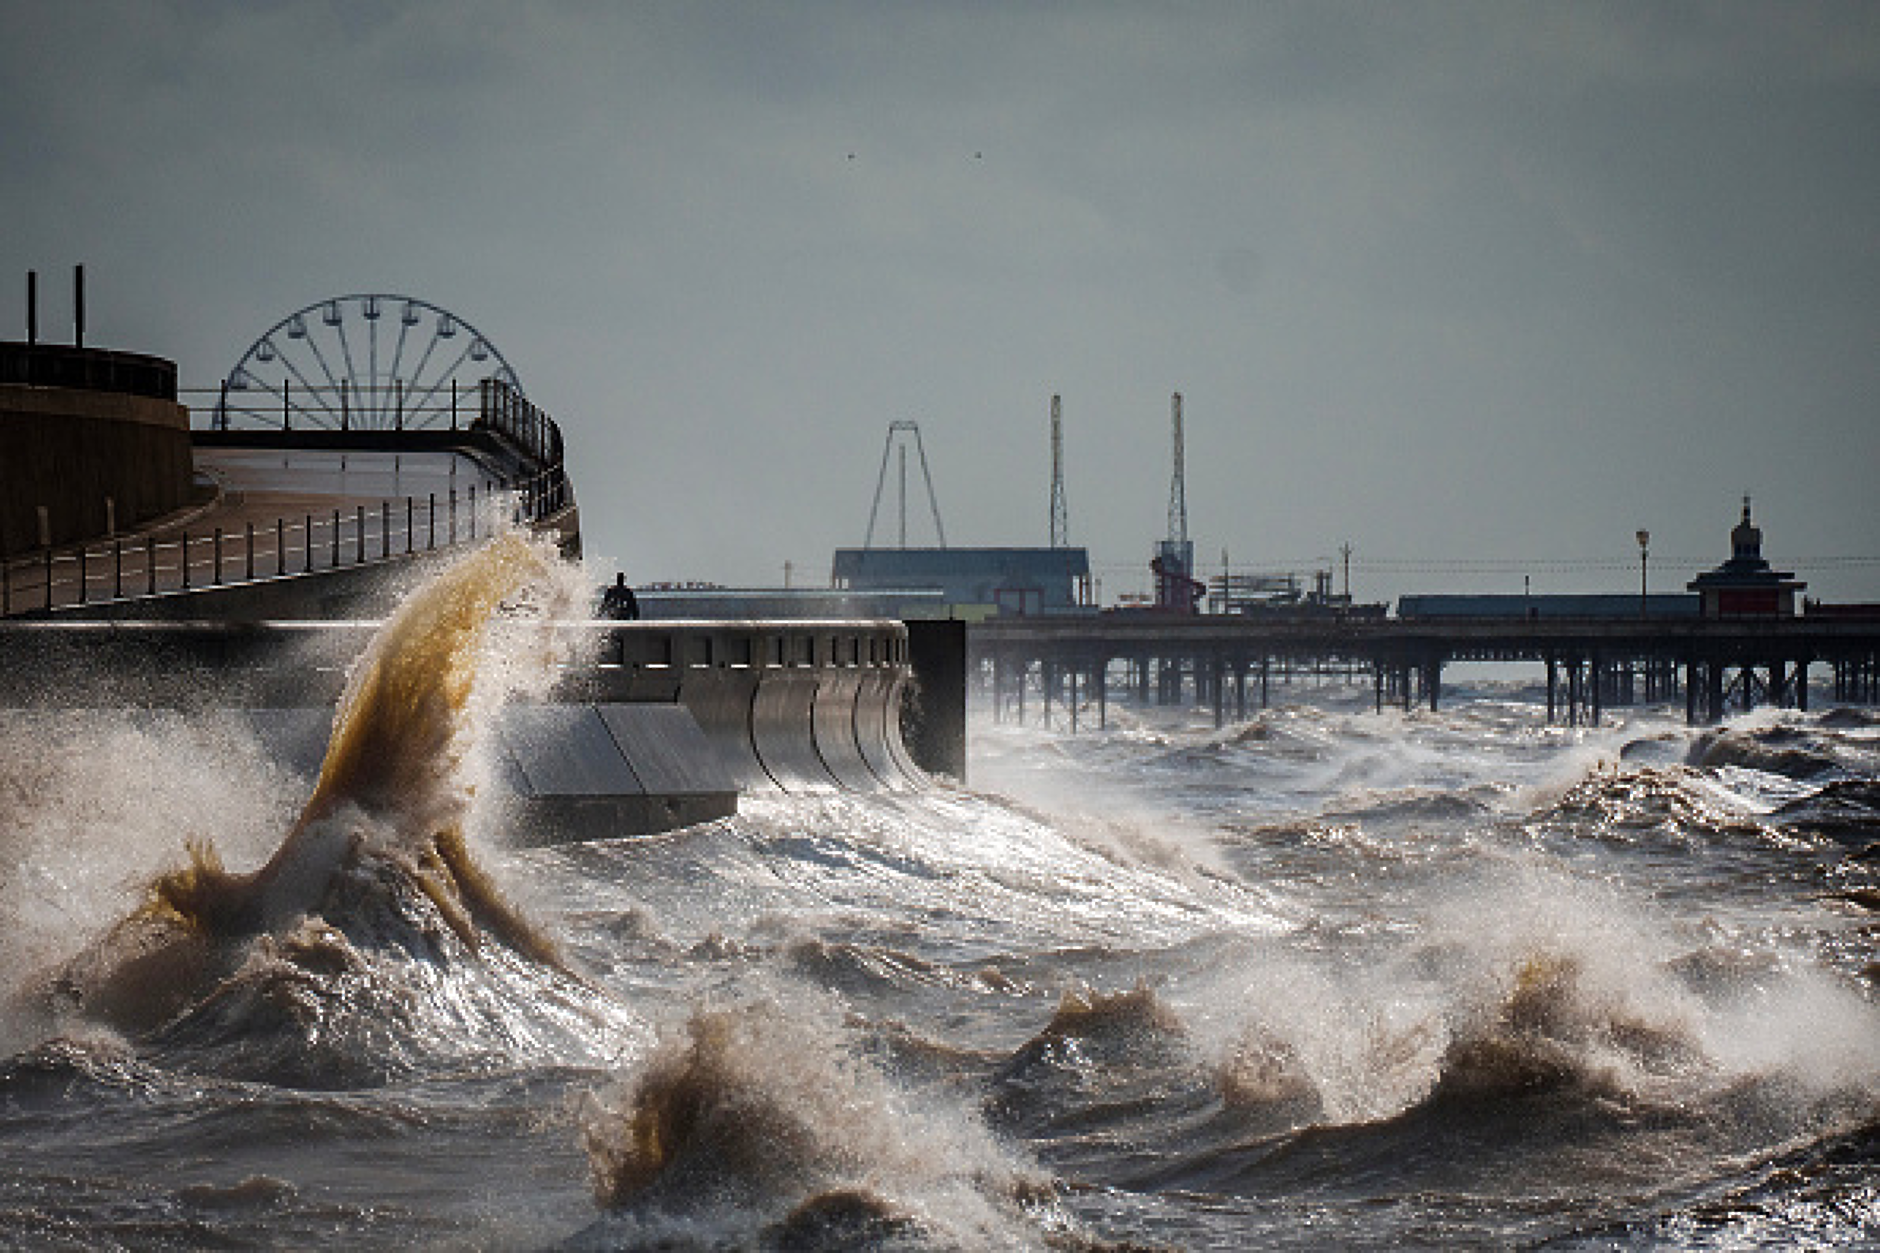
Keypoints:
pixel 1644 539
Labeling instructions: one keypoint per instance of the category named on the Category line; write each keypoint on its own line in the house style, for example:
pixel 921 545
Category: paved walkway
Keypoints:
pixel 273 514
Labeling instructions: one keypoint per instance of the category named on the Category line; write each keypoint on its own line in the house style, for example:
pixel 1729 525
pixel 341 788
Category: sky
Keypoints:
pixel 1477 289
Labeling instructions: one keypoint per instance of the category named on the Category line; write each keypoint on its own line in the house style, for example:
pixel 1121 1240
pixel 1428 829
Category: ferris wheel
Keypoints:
pixel 366 362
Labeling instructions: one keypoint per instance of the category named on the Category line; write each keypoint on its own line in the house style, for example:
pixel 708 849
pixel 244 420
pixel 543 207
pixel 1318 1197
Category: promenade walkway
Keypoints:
pixel 268 514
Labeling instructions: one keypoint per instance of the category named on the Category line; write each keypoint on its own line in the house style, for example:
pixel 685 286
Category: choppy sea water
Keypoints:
pixel 1328 978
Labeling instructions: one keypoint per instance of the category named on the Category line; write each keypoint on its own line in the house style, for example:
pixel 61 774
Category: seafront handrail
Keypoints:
pixel 503 411
pixel 527 433
pixel 527 482
pixel 189 557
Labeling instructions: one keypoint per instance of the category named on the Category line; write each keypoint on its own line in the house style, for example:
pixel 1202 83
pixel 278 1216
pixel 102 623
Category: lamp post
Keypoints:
pixel 1644 540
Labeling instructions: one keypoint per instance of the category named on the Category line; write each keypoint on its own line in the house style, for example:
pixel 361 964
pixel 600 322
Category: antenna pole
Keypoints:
pixel 1178 484
pixel 1060 516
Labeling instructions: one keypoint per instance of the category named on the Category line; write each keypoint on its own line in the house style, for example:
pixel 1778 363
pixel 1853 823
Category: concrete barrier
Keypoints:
pixel 878 732
pixel 666 725
pixel 801 706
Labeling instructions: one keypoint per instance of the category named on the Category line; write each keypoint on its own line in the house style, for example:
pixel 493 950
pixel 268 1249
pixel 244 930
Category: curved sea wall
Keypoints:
pixel 810 706
pixel 666 724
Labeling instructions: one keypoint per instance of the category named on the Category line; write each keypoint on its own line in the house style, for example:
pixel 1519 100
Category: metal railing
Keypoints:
pixel 495 408
pixel 177 559
pixel 186 560
pixel 343 406
pixel 503 411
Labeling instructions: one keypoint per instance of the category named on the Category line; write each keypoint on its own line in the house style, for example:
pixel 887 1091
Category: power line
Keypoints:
pixel 1506 565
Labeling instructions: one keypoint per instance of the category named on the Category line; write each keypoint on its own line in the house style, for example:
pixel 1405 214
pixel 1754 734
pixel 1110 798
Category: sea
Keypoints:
pixel 1328 978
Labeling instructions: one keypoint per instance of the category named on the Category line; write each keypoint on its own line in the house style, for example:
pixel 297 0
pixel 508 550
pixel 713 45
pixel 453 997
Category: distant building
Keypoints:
pixel 785 603
pixel 973 581
pixel 1745 585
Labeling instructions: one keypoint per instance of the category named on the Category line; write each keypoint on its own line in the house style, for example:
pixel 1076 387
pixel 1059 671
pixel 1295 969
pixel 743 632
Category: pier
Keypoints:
pixel 1230 662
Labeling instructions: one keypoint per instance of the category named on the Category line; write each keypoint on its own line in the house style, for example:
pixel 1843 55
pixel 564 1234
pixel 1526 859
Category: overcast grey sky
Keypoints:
pixel 1492 282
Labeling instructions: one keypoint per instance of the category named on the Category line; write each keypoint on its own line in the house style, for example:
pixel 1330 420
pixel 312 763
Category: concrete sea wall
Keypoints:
pixel 657 725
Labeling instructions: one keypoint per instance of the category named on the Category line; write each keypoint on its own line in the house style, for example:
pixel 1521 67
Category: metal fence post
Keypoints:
pixel 307 542
pixel 150 563
pixel 335 562
pixel 185 561
pixel 409 512
pixel 453 515
pixel 251 553
pixel 84 573
pixel 117 570
pixel 218 556
pixel 430 530
pixel 280 546
pixel 359 535
pixel 385 529
pixel 473 511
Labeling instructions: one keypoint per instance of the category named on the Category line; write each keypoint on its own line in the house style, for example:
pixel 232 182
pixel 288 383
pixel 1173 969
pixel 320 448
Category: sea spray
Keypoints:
pixel 1524 980
pixel 394 791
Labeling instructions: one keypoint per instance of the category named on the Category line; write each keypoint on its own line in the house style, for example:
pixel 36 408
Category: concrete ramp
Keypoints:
pixel 589 772
pixel 562 772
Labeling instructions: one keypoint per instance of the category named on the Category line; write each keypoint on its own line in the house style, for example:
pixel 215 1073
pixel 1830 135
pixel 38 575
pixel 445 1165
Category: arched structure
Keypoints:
pixel 361 362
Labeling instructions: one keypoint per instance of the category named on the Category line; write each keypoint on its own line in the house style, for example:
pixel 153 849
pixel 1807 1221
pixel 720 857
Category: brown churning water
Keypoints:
pixel 397 779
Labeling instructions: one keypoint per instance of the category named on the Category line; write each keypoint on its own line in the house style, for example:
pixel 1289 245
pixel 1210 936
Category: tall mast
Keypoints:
pixel 1060 515
pixel 1178 484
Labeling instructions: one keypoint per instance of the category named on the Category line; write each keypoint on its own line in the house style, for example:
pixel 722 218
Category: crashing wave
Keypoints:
pixel 344 944
pixel 767 1121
